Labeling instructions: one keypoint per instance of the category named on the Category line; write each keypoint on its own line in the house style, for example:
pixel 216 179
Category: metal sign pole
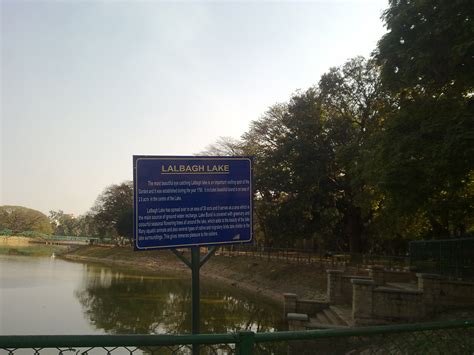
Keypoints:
pixel 195 265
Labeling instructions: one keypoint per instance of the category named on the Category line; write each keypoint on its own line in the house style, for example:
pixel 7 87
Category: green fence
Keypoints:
pixel 452 337
pixel 449 257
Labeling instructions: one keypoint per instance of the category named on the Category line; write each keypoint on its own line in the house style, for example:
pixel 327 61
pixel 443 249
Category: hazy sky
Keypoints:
pixel 87 84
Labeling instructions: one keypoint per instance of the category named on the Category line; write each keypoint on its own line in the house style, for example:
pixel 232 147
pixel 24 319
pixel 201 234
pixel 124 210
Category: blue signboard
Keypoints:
pixel 183 201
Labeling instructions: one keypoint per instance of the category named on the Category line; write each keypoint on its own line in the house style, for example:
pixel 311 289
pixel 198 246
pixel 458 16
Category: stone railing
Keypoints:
pixel 295 305
pixel 440 293
pixel 384 296
pixel 373 303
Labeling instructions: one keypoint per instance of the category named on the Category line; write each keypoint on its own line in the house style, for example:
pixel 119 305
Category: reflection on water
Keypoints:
pixel 44 296
pixel 121 302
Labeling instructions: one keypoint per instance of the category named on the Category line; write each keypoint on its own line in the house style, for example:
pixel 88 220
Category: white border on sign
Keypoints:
pixel 135 203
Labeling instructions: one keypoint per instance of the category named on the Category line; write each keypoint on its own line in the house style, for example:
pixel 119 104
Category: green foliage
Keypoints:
pixel 64 224
pixel 352 164
pixel 354 103
pixel 292 158
pixel 32 234
pixel 31 250
pixel 6 232
pixel 429 46
pixel 113 211
pixel 310 159
pixel 424 164
pixel 20 219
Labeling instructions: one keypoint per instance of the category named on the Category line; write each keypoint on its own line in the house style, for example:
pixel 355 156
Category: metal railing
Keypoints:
pixel 449 257
pixel 303 256
pixel 454 337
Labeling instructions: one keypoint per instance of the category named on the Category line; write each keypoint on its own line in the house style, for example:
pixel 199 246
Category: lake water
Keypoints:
pixel 41 295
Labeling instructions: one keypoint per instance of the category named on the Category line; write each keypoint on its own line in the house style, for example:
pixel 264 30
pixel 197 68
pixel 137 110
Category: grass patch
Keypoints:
pixel 27 250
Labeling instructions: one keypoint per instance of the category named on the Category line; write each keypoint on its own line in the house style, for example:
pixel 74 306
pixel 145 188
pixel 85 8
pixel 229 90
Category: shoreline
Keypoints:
pixel 13 241
pixel 266 279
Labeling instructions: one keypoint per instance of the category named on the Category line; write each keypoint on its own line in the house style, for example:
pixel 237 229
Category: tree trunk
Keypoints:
pixel 354 228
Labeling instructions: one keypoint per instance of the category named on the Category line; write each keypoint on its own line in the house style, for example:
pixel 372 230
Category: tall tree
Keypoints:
pixel 293 157
pixel 262 141
pixel 87 225
pixel 425 157
pixel 113 211
pixel 354 103
pixel 426 152
pixel 429 46
pixel 64 223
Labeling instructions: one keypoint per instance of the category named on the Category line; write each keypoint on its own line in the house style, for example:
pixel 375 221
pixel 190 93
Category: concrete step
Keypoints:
pixel 329 318
pixel 344 313
pixel 333 317
pixel 315 324
pixel 403 285
pixel 322 318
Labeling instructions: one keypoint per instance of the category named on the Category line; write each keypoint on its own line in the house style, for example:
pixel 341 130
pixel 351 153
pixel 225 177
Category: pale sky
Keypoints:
pixel 87 84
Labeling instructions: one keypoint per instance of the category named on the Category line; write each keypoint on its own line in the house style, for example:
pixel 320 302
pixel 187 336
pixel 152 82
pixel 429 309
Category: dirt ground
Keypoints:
pixel 15 241
pixel 269 279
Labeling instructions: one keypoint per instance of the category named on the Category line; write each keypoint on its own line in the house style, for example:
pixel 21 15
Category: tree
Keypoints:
pixel 21 219
pixel 428 47
pixel 425 163
pixel 113 211
pixel 87 225
pixel 354 103
pixel 262 141
pixel 425 154
pixel 224 146
pixel 292 164
pixel 63 223
pixel 310 158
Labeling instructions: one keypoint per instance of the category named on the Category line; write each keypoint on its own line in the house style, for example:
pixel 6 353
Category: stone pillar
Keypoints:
pixel 290 303
pixel 430 285
pixel 362 300
pixel 334 290
pixel 377 273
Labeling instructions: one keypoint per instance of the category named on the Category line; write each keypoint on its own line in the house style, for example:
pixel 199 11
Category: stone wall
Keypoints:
pixel 372 303
pixel 400 276
pixel 394 305
pixel 440 293
pixel 294 305
pixel 339 289
pixel 454 292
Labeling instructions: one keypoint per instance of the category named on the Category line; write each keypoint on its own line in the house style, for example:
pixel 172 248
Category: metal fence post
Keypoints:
pixel 246 343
